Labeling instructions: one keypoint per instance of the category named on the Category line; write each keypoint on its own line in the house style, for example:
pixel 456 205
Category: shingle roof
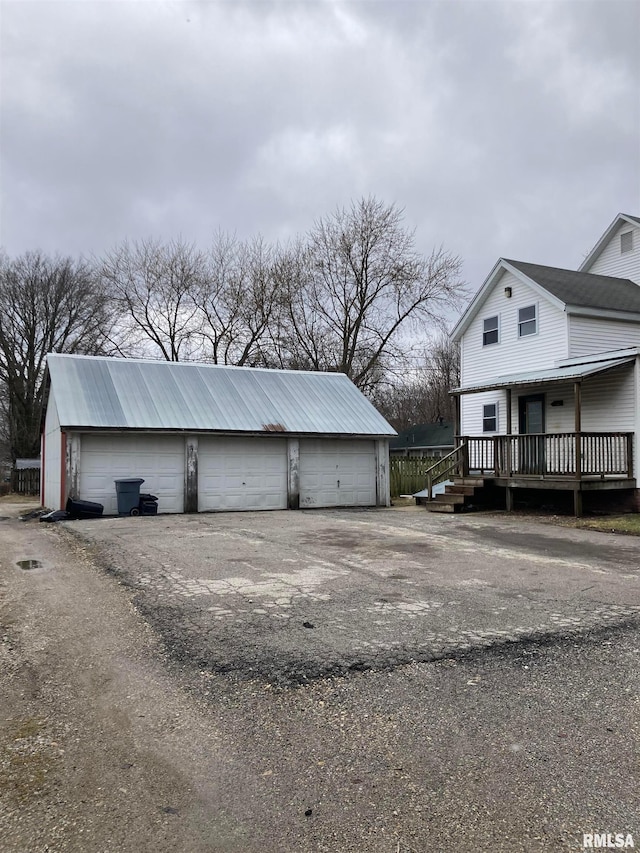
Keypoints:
pixel 95 392
pixel 583 289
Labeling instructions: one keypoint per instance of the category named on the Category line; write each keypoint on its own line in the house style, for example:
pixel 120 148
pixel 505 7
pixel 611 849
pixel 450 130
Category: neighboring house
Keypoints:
pixel 423 440
pixel 550 377
pixel 208 437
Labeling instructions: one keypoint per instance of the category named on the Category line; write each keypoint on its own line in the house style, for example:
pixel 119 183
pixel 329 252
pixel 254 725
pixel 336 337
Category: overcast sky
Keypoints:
pixel 502 128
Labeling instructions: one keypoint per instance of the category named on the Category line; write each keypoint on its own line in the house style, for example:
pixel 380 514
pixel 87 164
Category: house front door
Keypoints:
pixel 531 443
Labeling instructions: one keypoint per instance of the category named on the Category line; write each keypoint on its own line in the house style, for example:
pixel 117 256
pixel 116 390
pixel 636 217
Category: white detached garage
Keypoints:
pixel 210 437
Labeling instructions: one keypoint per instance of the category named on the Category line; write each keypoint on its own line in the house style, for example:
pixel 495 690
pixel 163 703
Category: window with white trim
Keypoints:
pixel 490 417
pixel 491 331
pixel 626 242
pixel 527 321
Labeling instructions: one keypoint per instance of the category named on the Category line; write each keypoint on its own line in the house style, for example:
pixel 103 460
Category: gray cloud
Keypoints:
pixel 503 128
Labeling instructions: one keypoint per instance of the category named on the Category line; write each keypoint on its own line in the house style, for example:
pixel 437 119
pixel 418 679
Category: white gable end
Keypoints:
pixel 620 255
pixel 481 361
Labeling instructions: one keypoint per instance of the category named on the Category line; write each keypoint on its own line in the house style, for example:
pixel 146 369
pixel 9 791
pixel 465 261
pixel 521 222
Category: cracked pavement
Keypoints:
pixel 288 597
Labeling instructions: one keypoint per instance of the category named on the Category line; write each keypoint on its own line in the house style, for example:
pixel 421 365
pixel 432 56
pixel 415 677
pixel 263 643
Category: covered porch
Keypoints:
pixel 530 457
pixel 576 462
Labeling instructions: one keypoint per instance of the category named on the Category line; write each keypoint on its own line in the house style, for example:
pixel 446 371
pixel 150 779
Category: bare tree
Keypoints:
pixel 46 305
pixel 356 285
pixel 182 303
pixel 236 300
pixel 442 360
pixel 154 286
pixel 420 395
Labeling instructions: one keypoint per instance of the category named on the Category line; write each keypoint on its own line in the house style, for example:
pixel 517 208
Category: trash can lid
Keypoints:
pixel 129 480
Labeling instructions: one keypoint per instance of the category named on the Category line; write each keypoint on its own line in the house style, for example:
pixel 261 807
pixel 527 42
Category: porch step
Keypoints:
pixel 455 495
pixel 460 490
pixel 450 497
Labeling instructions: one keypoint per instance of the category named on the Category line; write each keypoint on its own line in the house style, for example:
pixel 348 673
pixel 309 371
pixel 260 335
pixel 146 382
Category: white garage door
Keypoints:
pixel 242 473
pixel 159 460
pixel 337 473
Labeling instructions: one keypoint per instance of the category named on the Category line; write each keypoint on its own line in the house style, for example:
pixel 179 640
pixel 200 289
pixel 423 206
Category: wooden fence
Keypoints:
pixel 408 474
pixel 26 481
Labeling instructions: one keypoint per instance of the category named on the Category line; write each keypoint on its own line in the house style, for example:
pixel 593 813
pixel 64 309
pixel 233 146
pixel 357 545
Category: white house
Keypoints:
pixel 206 437
pixel 550 377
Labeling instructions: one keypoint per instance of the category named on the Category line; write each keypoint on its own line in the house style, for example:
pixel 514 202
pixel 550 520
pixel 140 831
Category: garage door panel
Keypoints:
pixel 158 460
pixel 337 473
pixel 242 474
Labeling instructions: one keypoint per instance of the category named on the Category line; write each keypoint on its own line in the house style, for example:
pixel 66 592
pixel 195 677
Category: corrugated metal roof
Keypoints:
pixel 96 392
pixel 535 377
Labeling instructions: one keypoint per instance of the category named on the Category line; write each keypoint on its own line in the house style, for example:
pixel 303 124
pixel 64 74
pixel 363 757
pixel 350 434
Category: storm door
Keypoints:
pixel 531 443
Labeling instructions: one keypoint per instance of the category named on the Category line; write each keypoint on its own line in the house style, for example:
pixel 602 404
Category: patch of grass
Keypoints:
pixel 628 523
pixel 26 757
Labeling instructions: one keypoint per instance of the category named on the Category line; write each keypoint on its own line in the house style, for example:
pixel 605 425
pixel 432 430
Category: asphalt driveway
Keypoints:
pixel 292 596
pixel 380 681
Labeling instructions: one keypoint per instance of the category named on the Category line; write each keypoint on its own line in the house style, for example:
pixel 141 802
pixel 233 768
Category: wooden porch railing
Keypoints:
pixel 453 463
pixel 570 454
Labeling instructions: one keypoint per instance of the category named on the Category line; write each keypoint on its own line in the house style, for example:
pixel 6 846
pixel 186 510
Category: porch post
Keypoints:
pixel 457 416
pixel 577 393
pixel 508 445
pixel 509 496
pixel 577 502
pixel 577 492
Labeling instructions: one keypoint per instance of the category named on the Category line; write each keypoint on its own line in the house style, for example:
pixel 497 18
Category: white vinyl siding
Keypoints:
pixel 241 473
pixel 158 460
pixel 52 458
pixel 557 418
pixel 612 261
pixel 609 402
pixel 513 354
pixel 337 473
pixel 590 335
pixel 472 412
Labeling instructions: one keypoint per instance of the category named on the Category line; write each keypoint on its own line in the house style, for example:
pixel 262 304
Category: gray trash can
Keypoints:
pixel 128 495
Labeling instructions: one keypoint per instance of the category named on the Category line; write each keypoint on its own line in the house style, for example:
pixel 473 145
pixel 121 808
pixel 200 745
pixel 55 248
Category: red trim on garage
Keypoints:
pixel 63 469
pixel 42 463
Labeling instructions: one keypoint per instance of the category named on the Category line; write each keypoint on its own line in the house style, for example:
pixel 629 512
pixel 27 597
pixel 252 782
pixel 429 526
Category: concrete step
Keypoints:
pixel 440 506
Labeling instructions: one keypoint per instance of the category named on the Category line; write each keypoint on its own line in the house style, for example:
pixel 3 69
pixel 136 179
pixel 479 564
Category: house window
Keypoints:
pixel 626 242
pixel 527 321
pixel 490 333
pixel 490 417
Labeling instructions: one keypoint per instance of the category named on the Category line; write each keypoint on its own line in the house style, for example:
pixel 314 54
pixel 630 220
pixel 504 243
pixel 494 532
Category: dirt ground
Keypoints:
pixel 122 729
